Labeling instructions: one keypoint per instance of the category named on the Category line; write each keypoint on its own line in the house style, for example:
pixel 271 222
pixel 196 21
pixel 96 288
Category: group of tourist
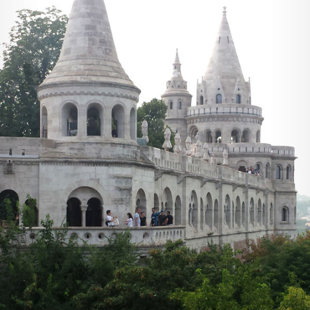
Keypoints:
pixel 251 170
pixel 139 219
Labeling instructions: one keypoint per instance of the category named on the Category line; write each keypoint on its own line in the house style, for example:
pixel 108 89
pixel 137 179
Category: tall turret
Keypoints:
pixel 88 95
pixel 177 99
pixel 224 97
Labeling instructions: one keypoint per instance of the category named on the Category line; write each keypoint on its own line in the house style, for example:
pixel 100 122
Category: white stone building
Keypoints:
pixel 87 159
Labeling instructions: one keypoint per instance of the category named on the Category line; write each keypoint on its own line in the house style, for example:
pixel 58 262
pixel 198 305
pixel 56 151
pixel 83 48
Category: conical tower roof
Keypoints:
pixel 224 62
pixel 88 53
pixel 176 83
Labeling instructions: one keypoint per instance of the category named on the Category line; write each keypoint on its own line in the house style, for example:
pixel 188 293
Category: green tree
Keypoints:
pixel 34 47
pixel 154 112
pixel 295 299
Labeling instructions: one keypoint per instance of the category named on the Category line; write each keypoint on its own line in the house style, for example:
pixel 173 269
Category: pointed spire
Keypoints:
pixel 177 66
pixel 224 65
pixel 88 53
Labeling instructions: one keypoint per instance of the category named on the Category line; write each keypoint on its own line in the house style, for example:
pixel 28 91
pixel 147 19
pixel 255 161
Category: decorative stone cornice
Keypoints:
pixel 58 92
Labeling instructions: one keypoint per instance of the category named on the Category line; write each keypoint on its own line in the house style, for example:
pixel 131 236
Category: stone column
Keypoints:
pixel 84 209
pixel 107 123
pixel 126 123
pixel 82 122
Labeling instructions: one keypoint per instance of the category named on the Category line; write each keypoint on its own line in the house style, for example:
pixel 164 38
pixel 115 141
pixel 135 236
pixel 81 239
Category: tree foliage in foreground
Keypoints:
pixel 34 47
pixel 55 273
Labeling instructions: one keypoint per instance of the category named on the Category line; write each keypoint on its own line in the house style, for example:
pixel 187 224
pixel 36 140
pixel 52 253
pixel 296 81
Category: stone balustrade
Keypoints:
pixel 224 109
pixel 99 236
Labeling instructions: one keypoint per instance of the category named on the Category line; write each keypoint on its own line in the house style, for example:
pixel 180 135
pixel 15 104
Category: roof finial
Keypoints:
pixel 224 10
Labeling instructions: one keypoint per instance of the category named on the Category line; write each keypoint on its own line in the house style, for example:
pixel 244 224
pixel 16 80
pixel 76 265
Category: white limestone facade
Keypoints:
pixel 87 159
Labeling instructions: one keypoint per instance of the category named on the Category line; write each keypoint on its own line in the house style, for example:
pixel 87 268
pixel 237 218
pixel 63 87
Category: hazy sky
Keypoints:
pixel 272 38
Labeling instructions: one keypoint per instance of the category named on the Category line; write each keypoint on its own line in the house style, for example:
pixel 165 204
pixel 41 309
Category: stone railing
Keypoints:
pixel 99 236
pixel 224 109
pixel 191 165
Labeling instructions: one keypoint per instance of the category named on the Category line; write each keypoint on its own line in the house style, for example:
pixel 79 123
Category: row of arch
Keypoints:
pixel 207 213
pixel 219 99
pixel 215 136
pixel 94 121
pixel 200 213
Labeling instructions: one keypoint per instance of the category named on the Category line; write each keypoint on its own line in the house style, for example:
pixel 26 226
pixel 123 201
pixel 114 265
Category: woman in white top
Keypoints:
pixel 129 221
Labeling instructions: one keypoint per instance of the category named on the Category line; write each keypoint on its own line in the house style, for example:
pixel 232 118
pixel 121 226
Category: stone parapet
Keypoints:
pixel 224 109
pixel 99 236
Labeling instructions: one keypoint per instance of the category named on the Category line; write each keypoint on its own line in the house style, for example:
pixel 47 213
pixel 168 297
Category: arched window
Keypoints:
pixel 156 202
pixel 94 212
pixel 209 136
pixel 44 122
pixel 171 105
pixel 278 172
pixel 218 136
pixel 258 136
pixel 238 99
pixel 93 121
pixel 141 200
pixel 118 130
pixel 8 206
pixel 74 214
pixel 167 199
pixel 201 100
pixel 238 212
pixel 252 211
pixel 288 172
pixel 69 120
pixel 216 215
pixel 180 104
pixel 227 211
pixel 285 214
pixel 177 217
pixel 201 214
pixel 133 126
pixel 243 214
pixel 218 98
pixel 30 213
pixel 235 136
pixel 194 210
pixel 209 210
pixel 193 132
pixel 245 135
pixel 259 212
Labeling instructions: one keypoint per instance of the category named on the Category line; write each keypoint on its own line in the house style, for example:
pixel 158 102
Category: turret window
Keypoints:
pixel 180 104
pixel 218 98
pixel 218 136
pixel 278 172
pixel 201 100
pixel 238 99
pixel 285 214
pixel 288 172
pixel 171 105
pixel 93 122
pixel 70 120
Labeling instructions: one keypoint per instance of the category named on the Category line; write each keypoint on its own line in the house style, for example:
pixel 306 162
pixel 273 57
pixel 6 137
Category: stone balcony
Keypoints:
pixel 99 236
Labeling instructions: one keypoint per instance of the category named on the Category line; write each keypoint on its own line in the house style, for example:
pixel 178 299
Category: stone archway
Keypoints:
pixel 94 213
pixel 8 206
pixel 74 212
pixel 90 204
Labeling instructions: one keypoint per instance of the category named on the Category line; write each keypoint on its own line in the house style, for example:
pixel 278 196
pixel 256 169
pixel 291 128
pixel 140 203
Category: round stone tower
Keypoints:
pixel 177 99
pixel 88 96
pixel 224 113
